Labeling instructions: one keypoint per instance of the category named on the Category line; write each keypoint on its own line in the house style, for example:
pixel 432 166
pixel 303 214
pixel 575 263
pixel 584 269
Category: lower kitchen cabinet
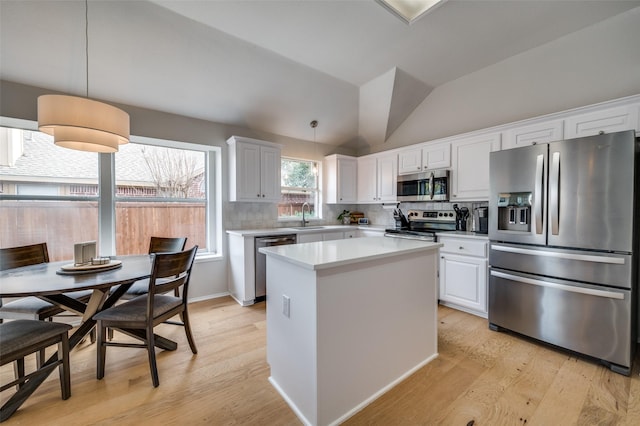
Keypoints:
pixel 463 274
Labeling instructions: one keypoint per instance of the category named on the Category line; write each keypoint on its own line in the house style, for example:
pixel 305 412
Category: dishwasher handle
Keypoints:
pixel 276 240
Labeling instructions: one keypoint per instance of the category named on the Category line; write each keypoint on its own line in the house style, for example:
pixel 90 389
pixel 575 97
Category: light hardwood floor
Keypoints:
pixel 481 376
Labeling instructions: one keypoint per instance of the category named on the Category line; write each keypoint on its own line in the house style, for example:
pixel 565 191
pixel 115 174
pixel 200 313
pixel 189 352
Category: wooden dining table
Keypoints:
pixel 49 282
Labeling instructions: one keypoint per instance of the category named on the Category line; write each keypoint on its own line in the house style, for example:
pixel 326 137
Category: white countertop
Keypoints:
pixel 464 234
pixel 308 229
pixel 329 254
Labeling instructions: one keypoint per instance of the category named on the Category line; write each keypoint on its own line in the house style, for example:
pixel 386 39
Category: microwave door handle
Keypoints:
pixel 554 193
pixel 538 193
pixel 432 185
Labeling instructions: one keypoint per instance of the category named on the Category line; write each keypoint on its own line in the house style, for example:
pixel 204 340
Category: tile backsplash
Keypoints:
pixel 264 215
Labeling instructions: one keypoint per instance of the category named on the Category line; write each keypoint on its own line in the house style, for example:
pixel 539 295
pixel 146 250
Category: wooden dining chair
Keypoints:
pixel 156 245
pixel 169 271
pixel 31 307
pixel 20 338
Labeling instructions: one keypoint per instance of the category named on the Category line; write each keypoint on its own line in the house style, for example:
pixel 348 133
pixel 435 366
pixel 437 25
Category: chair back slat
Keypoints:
pixel 169 272
pixel 15 257
pixel 166 245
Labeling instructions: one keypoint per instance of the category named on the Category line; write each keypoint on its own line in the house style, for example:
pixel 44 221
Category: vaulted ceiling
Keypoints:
pixel 271 65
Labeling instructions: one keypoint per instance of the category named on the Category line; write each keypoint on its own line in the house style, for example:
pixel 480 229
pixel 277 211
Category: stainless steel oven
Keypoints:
pixel 428 186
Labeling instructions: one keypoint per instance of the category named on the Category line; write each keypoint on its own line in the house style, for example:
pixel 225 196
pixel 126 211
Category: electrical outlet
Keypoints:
pixel 286 305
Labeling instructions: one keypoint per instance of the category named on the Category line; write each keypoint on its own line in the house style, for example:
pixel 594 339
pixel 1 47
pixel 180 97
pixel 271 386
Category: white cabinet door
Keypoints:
pixel 309 238
pixel 334 235
pixel 254 170
pixel 604 121
pixel 425 157
pixel 463 281
pixel 340 178
pixel 248 172
pixel 436 156
pixel 470 168
pixel 536 133
pixel 388 178
pixel 270 174
pixel 347 175
pixel 367 180
pixel 410 161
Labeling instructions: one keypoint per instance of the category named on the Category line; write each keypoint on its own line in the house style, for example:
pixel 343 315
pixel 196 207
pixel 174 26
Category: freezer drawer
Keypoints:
pixel 610 269
pixel 588 319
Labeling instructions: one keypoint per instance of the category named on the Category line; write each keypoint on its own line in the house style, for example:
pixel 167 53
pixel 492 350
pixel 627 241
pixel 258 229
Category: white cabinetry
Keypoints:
pixel 426 157
pixel 377 178
pixel 545 132
pixel 340 174
pixel 309 238
pixel 254 170
pixel 603 121
pixel 463 274
pixel 470 166
pixel 375 232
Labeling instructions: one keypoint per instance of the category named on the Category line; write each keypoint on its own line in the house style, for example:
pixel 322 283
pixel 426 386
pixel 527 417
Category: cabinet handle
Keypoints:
pixel 460 248
pixel 258 195
pixel 419 168
pixel 441 257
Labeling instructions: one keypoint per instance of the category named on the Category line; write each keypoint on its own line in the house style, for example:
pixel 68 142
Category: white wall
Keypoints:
pixel 599 63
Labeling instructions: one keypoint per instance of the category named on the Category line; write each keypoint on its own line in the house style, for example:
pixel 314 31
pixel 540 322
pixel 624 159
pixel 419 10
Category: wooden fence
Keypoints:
pixel 61 224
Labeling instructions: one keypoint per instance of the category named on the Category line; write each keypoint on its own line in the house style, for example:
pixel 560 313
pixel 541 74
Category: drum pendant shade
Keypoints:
pixel 82 124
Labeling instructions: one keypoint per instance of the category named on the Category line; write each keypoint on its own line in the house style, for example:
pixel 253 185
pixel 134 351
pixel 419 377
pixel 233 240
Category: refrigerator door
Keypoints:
pixel 592 320
pixel 591 192
pixel 517 177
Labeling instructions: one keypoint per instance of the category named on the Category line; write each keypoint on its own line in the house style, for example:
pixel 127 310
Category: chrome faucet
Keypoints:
pixel 304 221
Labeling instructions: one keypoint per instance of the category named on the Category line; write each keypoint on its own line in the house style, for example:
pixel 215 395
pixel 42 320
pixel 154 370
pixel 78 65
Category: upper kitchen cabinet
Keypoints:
pixel 426 157
pixel 254 170
pixel 340 177
pixel 603 121
pixel 377 178
pixel 544 132
pixel 470 166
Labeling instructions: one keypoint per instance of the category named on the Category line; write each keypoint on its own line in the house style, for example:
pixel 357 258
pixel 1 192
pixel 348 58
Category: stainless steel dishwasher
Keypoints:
pixel 261 260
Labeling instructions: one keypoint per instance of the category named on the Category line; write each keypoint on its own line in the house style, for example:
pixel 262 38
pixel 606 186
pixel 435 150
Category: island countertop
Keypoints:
pixel 329 254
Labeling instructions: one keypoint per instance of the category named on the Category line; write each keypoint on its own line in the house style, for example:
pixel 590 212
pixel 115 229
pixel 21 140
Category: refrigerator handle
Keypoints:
pixel 432 185
pixel 538 193
pixel 554 192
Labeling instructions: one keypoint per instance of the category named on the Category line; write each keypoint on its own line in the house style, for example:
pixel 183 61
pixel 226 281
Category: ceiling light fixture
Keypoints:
pixel 410 10
pixel 82 123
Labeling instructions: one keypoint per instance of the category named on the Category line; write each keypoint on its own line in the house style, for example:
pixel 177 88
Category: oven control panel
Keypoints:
pixel 431 215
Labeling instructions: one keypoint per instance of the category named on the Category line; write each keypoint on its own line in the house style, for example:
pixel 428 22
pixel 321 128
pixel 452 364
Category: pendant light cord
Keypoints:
pixel 86 40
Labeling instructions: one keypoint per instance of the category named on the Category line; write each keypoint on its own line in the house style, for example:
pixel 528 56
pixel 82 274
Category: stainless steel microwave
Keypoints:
pixel 428 186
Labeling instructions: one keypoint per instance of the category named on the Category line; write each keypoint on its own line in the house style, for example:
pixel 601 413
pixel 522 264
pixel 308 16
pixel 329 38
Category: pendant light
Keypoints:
pixel 81 123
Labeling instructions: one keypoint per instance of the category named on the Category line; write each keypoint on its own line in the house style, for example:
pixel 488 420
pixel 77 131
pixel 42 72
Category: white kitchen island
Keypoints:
pixel 347 320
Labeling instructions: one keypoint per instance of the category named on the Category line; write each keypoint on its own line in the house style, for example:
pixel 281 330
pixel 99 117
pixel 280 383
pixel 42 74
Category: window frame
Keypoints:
pixel 317 189
pixel 107 199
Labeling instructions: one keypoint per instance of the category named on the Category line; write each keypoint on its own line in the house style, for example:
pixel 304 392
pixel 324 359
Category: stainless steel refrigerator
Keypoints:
pixel 563 226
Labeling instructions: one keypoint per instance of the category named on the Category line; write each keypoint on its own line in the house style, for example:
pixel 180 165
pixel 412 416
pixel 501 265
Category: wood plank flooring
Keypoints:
pixel 481 378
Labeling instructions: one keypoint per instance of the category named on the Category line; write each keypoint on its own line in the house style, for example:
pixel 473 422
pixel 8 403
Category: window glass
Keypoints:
pixel 160 192
pixel 47 193
pixel 299 185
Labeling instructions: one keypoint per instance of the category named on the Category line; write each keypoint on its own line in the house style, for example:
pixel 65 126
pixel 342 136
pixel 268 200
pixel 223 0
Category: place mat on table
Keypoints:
pixel 72 269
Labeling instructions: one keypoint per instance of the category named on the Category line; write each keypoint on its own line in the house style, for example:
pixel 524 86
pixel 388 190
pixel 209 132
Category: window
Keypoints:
pixel 38 202
pixel 299 185
pixel 160 192
pixel 60 196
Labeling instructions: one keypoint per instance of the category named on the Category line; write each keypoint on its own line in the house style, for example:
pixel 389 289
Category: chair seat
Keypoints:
pixel 18 336
pixel 135 309
pixel 37 308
